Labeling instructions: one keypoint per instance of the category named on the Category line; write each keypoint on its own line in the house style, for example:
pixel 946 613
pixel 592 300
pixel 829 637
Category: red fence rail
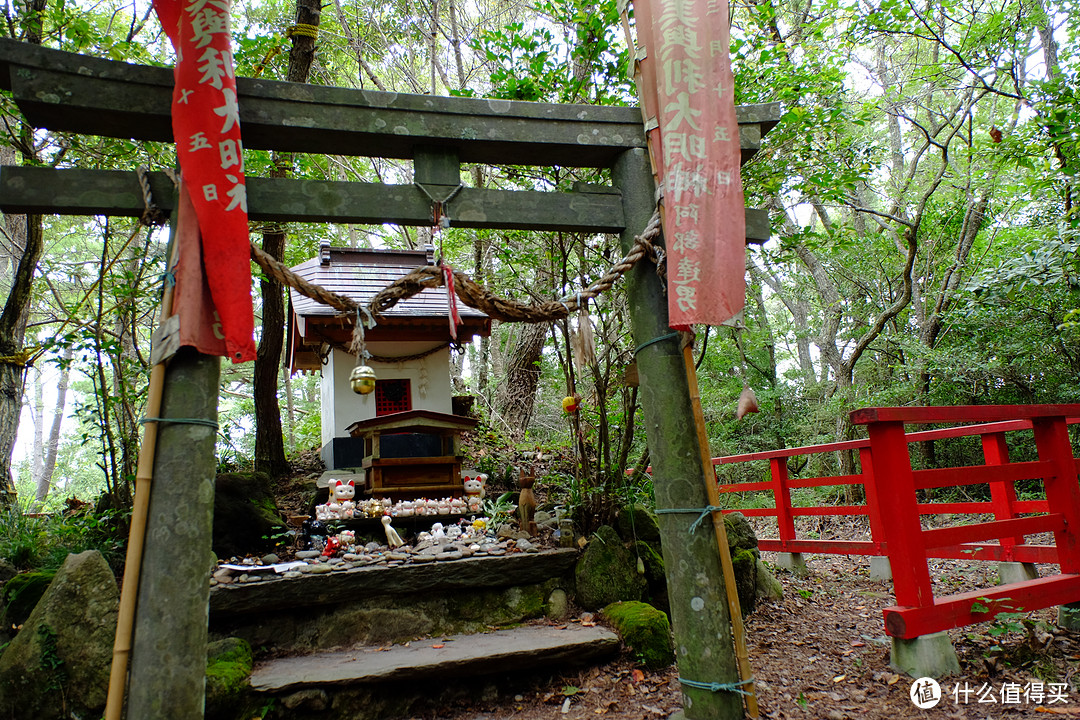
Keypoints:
pixel 894 511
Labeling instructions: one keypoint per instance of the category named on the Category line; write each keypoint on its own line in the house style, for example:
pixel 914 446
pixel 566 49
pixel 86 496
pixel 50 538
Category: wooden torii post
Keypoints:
pixel 66 92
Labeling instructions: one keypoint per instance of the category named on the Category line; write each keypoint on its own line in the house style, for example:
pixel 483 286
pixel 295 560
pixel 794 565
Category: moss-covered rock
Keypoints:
pixel 745 565
pixel 21 595
pixel 607 571
pixel 246 517
pixel 654 564
pixel 753 579
pixel 228 670
pixel 558 606
pixel 740 535
pixel 768 587
pixel 644 630
pixel 638 522
pixel 58 664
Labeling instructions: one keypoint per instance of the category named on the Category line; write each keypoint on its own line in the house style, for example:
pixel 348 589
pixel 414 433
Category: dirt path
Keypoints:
pixel 821 653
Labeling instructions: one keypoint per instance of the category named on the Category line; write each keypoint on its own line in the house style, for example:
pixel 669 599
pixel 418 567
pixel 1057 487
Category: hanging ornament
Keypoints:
pixel 747 402
pixel 362 379
pixel 571 403
pixel 583 341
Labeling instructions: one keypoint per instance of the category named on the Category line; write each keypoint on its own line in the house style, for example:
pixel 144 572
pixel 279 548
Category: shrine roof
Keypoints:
pixel 361 273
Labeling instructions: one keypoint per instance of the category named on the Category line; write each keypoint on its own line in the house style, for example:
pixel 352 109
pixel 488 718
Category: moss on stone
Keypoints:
pixel 740 535
pixel 638 522
pixel 229 650
pixel 228 669
pixel 607 571
pixel 744 563
pixel 654 564
pixel 22 593
pixel 644 630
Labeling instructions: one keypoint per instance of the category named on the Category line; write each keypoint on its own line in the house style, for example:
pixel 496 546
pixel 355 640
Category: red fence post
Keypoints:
pixel 1002 492
pixel 785 522
pixel 873 504
pixel 895 485
pixel 1062 488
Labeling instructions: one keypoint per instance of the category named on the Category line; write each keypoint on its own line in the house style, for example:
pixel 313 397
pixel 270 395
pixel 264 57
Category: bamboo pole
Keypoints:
pixel 144 475
pixel 730 588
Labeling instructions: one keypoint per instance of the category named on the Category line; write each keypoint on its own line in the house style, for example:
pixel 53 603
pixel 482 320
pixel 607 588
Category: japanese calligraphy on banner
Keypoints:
pixel 206 128
pixel 689 90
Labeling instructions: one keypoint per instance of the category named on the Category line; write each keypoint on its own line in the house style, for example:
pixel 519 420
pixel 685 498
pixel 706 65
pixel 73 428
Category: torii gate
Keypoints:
pixel 67 92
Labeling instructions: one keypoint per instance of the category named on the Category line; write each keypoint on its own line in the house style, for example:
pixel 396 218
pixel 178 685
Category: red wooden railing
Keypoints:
pixel 893 510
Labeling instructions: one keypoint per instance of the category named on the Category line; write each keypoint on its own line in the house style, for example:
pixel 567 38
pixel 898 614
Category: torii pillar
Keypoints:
pixel 699 608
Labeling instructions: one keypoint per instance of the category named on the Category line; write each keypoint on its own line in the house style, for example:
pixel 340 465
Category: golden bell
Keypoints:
pixel 362 379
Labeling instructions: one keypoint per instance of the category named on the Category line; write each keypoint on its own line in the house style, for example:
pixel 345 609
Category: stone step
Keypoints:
pixel 518 648
pixel 332 588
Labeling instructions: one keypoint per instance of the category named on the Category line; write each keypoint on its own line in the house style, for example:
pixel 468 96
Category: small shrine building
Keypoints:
pixel 410 350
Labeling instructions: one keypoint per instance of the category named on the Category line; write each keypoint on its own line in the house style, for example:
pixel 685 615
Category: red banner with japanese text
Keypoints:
pixel 206 129
pixel 687 74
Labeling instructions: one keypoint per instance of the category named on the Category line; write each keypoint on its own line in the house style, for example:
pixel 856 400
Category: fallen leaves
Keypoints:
pixel 1071 712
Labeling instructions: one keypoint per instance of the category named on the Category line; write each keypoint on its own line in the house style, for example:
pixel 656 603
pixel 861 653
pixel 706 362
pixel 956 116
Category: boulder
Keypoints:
pixel 58 665
pixel 228 670
pixel 744 564
pixel 740 536
pixel 638 522
pixel 753 580
pixel 654 575
pixel 768 587
pixel 607 571
pixel 246 516
pixel 644 630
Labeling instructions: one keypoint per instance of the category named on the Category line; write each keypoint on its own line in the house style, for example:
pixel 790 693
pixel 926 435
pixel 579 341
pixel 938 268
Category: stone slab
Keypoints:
pixel 358 583
pixel 458 655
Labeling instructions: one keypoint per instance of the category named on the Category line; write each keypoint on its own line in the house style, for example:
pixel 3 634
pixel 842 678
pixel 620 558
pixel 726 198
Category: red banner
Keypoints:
pixel 687 63
pixel 206 128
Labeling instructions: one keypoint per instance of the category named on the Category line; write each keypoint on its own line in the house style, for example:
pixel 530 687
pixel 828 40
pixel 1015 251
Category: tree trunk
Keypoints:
pixel 12 333
pixel 25 231
pixel 518 392
pixel 45 451
pixel 269 441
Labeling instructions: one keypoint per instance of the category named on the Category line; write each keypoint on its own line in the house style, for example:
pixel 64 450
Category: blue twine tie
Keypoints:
pixel 706 512
pixel 719 686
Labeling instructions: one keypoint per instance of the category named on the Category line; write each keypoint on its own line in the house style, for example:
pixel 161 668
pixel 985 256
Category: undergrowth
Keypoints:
pixel 43 542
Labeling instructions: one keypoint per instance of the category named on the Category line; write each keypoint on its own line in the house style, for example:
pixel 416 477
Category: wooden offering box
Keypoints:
pixel 412 454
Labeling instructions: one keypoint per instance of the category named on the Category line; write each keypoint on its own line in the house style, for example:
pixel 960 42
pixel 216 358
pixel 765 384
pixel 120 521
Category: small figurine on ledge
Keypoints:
pixel 312 535
pixel 527 504
pixel 474 492
pixel 332 546
pixel 340 505
pixel 392 538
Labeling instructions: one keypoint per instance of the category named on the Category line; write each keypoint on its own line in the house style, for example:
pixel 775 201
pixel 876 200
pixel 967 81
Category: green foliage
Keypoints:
pixel 584 64
pixel 500 511
pixel 45 542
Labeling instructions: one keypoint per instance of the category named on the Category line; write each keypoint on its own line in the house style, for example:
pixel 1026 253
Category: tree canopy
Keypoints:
pixel 922 188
